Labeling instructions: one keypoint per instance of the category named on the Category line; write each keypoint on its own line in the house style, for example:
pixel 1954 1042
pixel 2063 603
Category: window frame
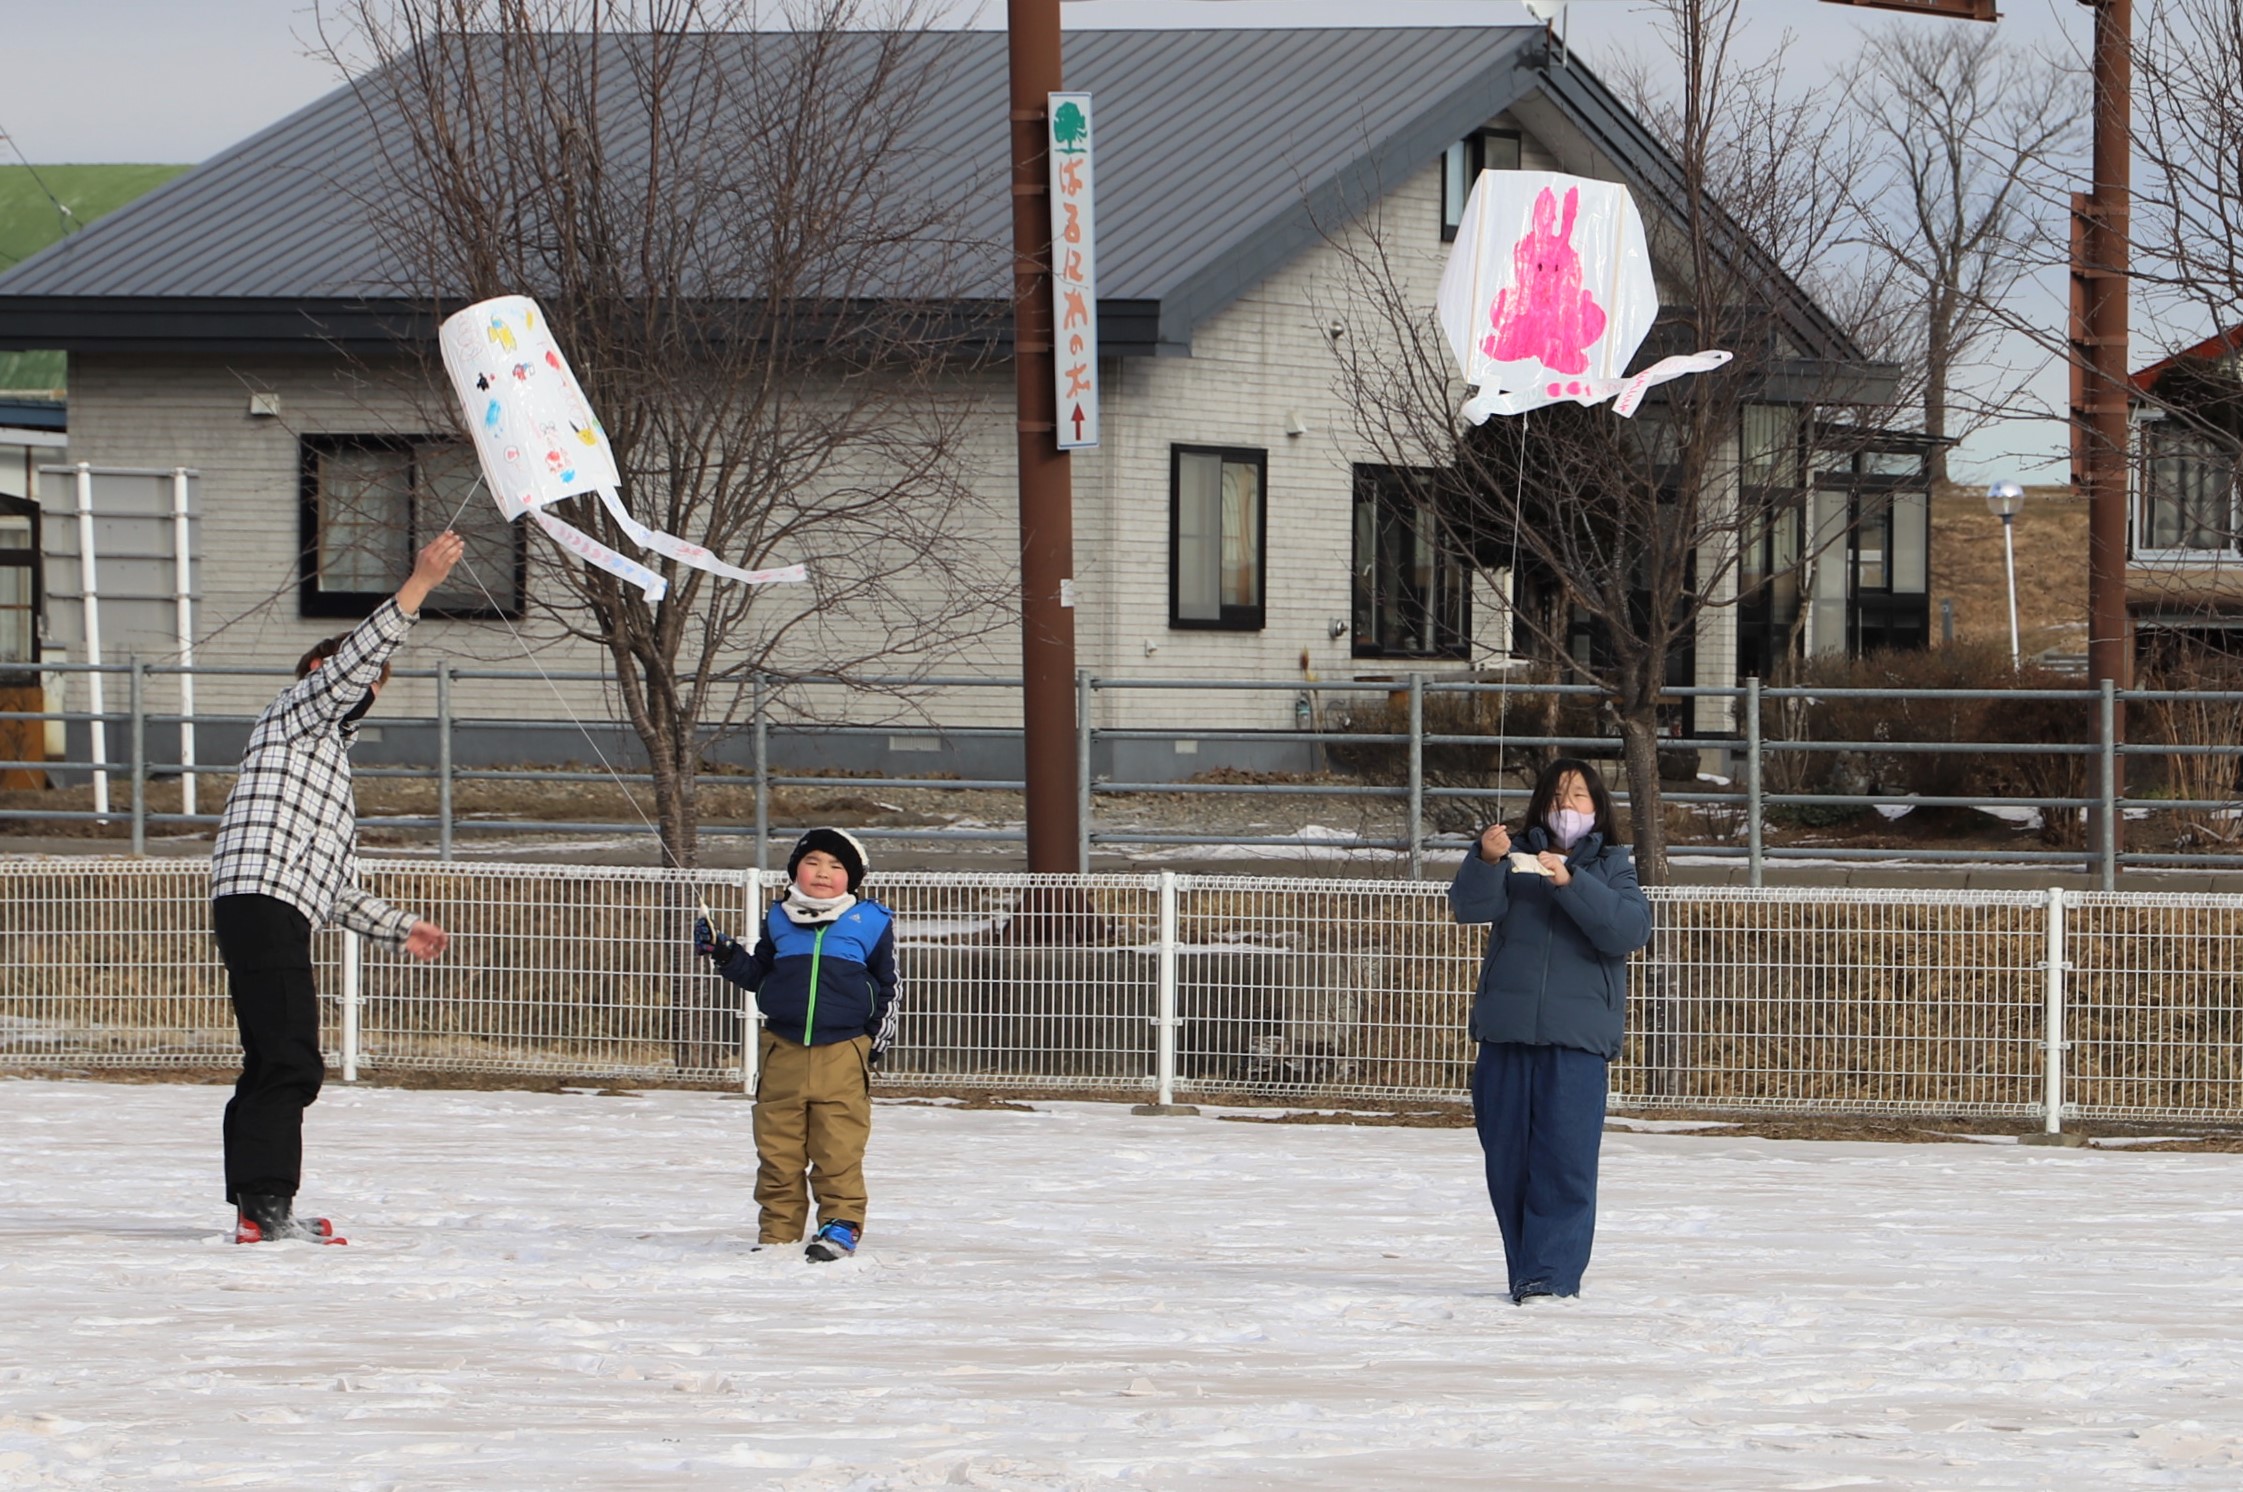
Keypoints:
pixel 1382 479
pixel 315 601
pixel 2144 524
pixel 33 560
pixel 1229 618
pixel 1475 148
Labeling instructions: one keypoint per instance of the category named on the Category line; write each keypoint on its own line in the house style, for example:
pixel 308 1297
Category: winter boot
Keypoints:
pixel 836 1240
pixel 267 1218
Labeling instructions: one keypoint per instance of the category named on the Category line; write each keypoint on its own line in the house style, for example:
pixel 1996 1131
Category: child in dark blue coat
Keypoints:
pixel 1548 1013
pixel 824 977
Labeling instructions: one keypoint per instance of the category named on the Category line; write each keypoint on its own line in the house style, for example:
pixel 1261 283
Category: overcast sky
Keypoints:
pixel 179 80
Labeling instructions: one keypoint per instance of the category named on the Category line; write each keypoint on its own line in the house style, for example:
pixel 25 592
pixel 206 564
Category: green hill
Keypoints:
pixel 29 221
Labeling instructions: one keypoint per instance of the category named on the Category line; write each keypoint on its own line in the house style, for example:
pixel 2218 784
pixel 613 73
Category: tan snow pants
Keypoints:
pixel 813 1114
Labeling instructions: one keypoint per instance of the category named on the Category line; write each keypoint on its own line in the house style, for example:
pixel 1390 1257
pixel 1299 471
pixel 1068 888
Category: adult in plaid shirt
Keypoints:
pixel 285 862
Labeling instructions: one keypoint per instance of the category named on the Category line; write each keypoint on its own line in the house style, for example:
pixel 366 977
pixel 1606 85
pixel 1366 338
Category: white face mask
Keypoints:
pixel 1567 825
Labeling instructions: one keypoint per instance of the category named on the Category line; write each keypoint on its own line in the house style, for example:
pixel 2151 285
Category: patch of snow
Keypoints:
pixel 557 1291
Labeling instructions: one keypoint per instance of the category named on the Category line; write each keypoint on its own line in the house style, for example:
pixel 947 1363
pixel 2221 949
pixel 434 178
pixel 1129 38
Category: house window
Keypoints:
pixel 1413 592
pixel 1461 165
pixel 1217 507
pixel 2188 491
pixel 371 502
pixel 19 585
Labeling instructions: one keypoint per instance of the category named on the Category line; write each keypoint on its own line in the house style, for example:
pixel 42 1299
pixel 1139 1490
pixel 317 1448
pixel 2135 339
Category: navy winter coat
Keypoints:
pixel 832 982
pixel 1556 969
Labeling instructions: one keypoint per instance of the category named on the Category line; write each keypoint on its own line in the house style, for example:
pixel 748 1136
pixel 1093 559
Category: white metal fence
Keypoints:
pixel 2032 1004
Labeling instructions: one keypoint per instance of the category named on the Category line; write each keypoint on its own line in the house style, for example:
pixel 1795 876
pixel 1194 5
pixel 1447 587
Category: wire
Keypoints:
pixel 1511 614
pixel 64 217
pixel 589 739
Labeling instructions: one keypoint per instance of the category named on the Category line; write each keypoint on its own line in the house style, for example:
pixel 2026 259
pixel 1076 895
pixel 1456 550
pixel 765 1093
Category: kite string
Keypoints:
pixel 582 730
pixel 1511 618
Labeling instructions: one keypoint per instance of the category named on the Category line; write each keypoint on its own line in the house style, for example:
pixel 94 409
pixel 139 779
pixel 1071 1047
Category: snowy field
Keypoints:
pixel 556 1291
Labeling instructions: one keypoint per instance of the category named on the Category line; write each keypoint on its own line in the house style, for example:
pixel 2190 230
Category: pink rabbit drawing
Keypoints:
pixel 1547 315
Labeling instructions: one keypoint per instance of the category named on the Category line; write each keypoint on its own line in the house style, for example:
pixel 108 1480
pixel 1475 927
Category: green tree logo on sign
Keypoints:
pixel 1069 127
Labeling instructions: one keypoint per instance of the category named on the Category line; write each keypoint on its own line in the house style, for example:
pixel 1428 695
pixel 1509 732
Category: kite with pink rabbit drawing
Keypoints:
pixel 1548 293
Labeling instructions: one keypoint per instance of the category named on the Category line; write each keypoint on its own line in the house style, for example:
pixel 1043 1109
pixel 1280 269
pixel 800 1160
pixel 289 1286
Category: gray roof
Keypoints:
pixel 1222 151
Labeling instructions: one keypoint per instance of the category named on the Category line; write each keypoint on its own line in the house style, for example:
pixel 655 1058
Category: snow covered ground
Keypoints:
pixel 555 1291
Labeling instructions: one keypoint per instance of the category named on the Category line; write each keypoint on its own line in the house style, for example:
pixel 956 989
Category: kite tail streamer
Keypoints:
pixel 693 554
pixel 593 552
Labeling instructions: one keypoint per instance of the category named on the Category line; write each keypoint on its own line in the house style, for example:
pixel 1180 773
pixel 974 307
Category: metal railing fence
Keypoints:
pixel 1737 812
pixel 2037 1006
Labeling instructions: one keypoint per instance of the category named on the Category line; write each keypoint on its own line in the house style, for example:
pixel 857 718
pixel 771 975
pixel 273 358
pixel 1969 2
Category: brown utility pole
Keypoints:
pixel 2101 256
pixel 1047 521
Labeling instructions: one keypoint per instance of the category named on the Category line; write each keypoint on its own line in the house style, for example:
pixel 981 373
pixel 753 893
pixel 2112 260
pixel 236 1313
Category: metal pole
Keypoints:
pixel 1754 858
pixel 182 559
pixel 2009 567
pixel 89 595
pixel 444 762
pixel 137 696
pixel 2100 268
pixel 1164 1036
pixel 2108 843
pixel 1047 617
pixel 762 739
pixel 1417 776
pixel 350 1006
pixel 1083 810
pixel 2052 1018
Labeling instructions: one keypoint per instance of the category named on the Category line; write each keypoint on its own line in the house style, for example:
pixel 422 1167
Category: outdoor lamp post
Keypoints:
pixel 2003 499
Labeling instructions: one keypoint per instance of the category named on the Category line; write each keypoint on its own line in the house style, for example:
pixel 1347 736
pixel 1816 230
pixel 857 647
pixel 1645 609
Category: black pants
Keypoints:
pixel 267 946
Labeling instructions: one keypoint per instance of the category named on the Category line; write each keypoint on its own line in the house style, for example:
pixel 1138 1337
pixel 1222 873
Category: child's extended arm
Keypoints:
pixel 887 989
pixel 737 964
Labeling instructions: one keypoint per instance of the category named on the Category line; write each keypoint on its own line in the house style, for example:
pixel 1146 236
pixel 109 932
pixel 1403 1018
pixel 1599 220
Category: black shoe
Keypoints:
pixel 266 1217
pixel 1531 1290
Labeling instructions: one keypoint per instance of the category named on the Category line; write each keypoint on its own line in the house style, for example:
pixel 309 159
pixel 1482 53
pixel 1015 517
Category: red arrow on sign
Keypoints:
pixel 1077 417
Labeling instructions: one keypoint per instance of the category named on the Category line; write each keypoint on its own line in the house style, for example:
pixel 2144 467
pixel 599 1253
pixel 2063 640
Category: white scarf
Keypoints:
pixel 809 911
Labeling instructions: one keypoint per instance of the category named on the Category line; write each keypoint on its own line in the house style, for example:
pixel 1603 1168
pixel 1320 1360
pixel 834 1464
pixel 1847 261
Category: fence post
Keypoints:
pixel 350 1006
pixel 2109 788
pixel 2052 1098
pixel 751 1018
pixel 1082 771
pixel 1417 776
pixel 444 762
pixel 762 739
pixel 1753 791
pixel 137 692
pixel 1164 1007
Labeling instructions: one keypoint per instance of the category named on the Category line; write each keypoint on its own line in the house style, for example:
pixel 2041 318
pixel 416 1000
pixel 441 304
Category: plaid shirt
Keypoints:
pixel 290 830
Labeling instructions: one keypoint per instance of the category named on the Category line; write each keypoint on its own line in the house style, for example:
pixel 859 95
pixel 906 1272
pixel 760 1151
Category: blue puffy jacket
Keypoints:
pixel 831 982
pixel 1556 969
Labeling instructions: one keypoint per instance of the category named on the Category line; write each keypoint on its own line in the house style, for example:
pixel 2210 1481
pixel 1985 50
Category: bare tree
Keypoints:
pixel 1627 534
pixel 1965 132
pixel 727 230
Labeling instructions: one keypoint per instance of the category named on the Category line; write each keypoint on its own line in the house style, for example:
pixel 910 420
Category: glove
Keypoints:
pixel 712 945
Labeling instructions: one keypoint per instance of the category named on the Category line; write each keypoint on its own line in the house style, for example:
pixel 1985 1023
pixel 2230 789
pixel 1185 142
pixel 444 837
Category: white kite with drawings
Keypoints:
pixel 539 441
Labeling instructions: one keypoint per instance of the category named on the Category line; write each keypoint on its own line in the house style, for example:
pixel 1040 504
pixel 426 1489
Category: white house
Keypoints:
pixel 1231 525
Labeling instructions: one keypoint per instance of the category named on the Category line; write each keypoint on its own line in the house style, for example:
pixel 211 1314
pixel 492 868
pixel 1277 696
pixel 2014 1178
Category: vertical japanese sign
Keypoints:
pixel 1074 272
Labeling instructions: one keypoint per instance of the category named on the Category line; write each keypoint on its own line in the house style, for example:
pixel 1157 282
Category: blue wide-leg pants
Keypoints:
pixel 1540 1113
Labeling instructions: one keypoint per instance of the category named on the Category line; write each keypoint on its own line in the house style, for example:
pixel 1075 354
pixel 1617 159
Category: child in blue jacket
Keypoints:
pixel 1548 1014
pixel 824 977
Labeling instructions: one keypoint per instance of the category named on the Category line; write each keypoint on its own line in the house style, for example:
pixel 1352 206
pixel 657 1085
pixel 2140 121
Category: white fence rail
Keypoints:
pixel 2042 1005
